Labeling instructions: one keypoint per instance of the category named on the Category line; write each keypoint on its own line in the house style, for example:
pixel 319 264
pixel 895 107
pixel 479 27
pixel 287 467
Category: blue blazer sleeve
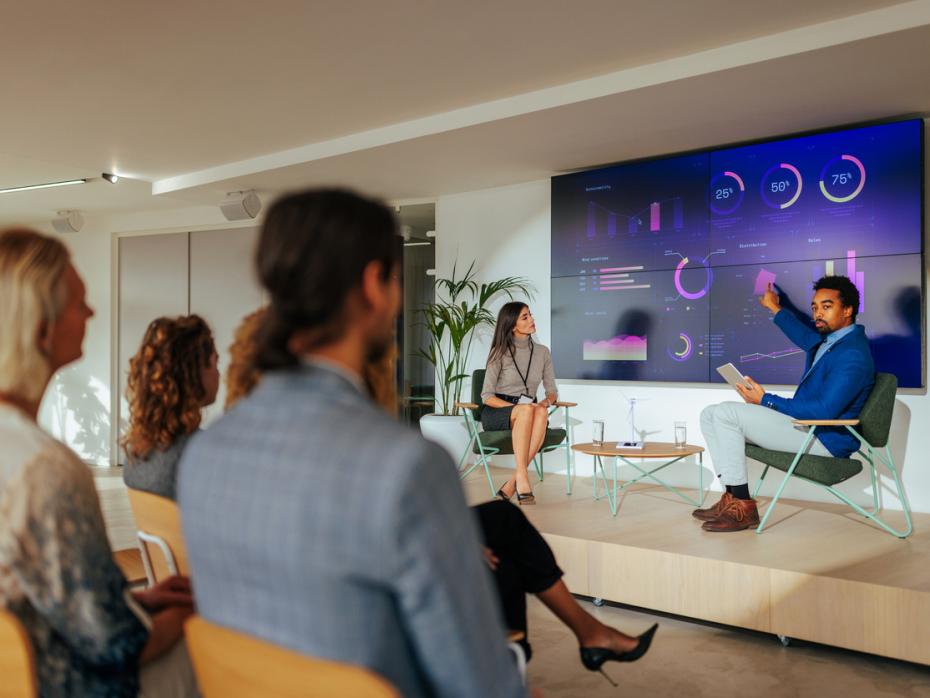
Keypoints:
pixel 799 333
pixel 845 380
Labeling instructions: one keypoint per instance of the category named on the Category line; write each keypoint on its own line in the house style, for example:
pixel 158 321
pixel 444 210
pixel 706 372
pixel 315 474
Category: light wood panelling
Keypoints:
pixel 819 572
pixel 714 590
pixel 886 620
pixel 572 555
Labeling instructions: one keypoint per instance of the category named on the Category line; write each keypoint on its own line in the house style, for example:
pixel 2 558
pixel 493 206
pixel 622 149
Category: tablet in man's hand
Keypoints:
pixel 732 375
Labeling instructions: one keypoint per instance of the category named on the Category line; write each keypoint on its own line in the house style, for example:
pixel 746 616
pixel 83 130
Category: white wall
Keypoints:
pixel 78 405
pixel 507 231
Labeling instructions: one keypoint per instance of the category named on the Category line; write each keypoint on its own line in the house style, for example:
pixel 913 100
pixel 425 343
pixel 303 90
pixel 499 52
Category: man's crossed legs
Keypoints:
pixel 727 428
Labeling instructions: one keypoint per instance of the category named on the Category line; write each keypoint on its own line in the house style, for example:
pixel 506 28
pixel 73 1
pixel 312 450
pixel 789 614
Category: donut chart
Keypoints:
pixel 726 192
pixel 781 186
pixel 837 178
pixel 688 294
pixel 687 350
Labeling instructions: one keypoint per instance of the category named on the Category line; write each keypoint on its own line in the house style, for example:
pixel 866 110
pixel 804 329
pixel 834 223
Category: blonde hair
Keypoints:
pixel 32 294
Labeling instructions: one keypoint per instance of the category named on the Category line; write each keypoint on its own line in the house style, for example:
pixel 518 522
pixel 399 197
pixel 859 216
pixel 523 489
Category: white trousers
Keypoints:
pixel 729 426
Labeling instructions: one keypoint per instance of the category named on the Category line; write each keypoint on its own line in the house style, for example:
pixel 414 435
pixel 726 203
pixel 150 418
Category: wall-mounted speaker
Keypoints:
pixel 241 205
pixel 68 222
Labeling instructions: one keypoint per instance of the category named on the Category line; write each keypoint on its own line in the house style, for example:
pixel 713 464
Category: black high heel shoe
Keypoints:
pixel 502 496
pixel 593 658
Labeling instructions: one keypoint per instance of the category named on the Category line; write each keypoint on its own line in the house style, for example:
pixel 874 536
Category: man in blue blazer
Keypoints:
pixel 838 377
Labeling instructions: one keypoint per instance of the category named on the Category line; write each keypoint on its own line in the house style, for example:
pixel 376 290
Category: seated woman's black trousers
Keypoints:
pixel 526 563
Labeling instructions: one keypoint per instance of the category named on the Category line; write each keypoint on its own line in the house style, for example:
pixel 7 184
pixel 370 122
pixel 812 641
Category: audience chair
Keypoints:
pixel 229 664
pixel 158 521
pixel 871 429
pixel 485 444
pixel 514 637
pixel 17 664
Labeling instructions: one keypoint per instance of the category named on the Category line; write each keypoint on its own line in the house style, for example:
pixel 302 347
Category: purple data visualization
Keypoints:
pixel 658 265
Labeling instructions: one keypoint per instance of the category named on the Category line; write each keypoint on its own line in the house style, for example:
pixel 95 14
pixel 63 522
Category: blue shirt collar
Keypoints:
pixel 836 336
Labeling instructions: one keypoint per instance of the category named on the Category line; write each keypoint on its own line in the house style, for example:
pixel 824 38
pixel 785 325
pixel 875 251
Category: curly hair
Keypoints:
pixel 243 375
pixel 165 385
pixel 849 294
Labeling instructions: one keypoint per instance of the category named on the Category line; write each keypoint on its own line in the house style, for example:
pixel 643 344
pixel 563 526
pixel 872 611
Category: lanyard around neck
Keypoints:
pixel 524 378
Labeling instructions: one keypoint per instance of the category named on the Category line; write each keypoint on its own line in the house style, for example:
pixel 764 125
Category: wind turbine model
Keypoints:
pixel 634 441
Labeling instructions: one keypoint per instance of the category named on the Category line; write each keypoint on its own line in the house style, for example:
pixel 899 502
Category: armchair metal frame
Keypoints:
pixel 875 420
pixel 484 452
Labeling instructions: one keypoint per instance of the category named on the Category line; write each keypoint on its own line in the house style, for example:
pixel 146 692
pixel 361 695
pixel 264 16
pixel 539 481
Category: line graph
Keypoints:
pixel 756 356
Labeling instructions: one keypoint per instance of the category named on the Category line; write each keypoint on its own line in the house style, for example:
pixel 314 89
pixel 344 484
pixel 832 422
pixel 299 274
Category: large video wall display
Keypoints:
pixel 657 266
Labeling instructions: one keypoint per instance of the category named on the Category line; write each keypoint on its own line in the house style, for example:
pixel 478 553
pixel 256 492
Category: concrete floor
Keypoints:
pixel 694 660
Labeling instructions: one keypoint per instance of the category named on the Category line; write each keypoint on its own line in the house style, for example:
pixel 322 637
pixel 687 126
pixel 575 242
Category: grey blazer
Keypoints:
pixel 315 521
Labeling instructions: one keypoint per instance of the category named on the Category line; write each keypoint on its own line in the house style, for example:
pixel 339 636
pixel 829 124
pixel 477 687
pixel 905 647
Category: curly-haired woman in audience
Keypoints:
pixel 172 378
pixel 90 635
pixel 518 555
pixel 241 376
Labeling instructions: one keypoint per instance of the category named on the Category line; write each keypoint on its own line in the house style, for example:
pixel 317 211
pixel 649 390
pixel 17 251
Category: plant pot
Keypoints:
pixel 448 431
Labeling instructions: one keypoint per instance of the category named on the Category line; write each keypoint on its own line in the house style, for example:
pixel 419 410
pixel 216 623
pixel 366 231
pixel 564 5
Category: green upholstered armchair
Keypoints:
pixel 872 429
pixel 485 444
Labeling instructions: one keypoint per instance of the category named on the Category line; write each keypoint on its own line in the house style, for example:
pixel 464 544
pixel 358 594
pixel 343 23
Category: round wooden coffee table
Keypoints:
pixel 651 450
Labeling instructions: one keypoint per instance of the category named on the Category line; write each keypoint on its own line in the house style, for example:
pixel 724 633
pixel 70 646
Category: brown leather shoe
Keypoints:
pixel 711 513
pixel 738 515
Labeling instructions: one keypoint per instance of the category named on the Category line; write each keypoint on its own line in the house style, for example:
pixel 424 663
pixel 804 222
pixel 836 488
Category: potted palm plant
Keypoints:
pixel 459 311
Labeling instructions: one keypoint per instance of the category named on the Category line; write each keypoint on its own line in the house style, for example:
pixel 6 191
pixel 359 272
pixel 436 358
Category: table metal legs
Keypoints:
pixel 611 496
pixel 674 490
pixel 651 474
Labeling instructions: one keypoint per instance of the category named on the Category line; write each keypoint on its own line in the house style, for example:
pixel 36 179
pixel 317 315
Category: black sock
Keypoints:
pixel 740 491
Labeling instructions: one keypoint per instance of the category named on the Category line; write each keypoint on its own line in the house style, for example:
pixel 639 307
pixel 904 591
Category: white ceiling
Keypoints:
pixel 411 99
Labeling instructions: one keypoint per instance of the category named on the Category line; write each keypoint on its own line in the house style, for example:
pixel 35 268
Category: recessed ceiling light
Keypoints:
pixel 111 178
pixel 47 185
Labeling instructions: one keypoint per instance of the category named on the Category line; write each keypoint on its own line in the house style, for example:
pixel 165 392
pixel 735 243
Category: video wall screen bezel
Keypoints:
pixel 558 273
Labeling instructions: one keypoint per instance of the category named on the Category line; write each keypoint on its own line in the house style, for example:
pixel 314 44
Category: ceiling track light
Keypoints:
pixel 111 178
pixel 46 185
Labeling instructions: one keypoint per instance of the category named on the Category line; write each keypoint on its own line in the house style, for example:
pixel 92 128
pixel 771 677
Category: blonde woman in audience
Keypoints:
pixel 172 378
pixel 90 634
pixel 519 557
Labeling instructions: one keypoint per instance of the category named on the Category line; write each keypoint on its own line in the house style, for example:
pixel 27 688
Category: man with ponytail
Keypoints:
pixel 313 519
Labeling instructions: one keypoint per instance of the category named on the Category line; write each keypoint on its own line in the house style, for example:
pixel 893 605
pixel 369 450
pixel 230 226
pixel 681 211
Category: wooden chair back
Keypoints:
pixel 159 518
pixel 230 664
pixel 17 664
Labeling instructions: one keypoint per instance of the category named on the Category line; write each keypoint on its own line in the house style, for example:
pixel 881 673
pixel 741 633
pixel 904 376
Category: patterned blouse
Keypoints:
pixel 57 573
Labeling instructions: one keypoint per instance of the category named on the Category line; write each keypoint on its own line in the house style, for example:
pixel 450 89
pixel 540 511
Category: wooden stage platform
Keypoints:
pixel 818 572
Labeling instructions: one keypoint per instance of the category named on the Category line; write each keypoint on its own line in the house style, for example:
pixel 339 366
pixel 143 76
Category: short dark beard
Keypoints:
pixel 377 349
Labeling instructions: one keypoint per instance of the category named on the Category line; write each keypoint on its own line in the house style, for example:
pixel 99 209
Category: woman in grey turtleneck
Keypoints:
pixel 516 367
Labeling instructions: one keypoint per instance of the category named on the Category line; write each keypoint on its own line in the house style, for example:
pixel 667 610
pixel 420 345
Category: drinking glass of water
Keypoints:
pixel 681 434
pixel 597 436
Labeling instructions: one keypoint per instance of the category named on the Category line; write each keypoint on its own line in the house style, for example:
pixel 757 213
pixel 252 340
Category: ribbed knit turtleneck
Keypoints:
pixel 504 373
